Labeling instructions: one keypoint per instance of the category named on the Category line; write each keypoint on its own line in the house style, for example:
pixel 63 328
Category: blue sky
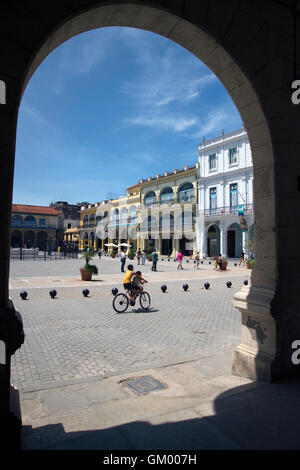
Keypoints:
pixel 109 107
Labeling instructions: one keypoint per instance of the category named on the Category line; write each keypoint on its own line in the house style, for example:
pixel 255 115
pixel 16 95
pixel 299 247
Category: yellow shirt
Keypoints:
pixel 127 277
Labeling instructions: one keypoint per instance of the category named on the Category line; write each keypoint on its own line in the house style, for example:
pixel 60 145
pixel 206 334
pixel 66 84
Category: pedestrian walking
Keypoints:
pixel 197 259
pixel 123 261
pixel 154 257
pixel 138 256
pixel 143 257
pixel 179 259
pixel 220 261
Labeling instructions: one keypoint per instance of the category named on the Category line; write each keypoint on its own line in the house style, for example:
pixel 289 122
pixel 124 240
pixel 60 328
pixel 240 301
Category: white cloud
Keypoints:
pixel 163 122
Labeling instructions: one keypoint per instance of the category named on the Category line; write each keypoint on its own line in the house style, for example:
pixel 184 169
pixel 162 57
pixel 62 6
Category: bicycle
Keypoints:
pixel 121 301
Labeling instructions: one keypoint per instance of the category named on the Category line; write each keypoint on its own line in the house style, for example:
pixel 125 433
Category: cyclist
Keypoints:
pixel 134 288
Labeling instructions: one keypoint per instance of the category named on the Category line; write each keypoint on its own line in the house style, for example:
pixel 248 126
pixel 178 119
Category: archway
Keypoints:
pixel 42 240
pixel 213 241
pixel 29 239
pixel 256 72
pixel 234 241
pixel 16 239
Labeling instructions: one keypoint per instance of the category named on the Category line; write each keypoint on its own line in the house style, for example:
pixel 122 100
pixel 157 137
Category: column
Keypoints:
pixel 223 240
pixel 245 238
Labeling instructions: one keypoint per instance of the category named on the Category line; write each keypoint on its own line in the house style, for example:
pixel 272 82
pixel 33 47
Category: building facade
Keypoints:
pixel 113 221
pixel 35 226
pixel 225 195
pixel 168 212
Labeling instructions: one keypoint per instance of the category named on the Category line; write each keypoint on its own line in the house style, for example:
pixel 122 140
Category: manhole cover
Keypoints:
pixel 144 385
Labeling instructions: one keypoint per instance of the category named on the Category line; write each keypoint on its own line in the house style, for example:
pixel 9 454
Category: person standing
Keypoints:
pixel 154 257
pixel 197 259
pixel 242 260
pixel 143 257
pixel 123 261
pixel 138 256
pixel 179 259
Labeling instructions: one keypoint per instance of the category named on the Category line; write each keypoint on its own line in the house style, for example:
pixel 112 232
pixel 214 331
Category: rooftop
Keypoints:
pixel 40 210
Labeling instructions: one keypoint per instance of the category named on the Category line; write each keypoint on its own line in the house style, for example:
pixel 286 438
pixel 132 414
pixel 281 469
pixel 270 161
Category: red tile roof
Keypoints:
pixel 41 210
pixel 134 186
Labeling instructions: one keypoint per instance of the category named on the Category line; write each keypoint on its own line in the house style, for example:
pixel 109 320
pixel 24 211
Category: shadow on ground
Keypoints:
pixel 263 417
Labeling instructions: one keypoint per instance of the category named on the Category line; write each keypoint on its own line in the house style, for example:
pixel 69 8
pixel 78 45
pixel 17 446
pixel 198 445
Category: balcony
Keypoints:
pixel 227 210
pixel 26 224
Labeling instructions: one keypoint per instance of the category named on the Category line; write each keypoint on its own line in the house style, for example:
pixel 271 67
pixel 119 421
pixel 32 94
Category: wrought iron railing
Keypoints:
pixel 234 210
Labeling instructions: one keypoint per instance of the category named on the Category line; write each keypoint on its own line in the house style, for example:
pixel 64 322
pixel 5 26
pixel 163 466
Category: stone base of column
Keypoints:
pixel 253 366
pixel 254 357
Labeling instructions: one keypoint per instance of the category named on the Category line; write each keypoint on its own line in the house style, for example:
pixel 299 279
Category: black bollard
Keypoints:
pixel 163 288
pixel 228 284
pixel 114 291
pixel 53 293
pixel 207 285
pixel 185 287
pixel 23 295
pixel 85 292
pixel 245 282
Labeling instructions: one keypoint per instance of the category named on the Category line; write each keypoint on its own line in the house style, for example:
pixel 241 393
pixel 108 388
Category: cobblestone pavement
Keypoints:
pixel 73 339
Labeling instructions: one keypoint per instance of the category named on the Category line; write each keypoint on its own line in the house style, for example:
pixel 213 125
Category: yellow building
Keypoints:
pixel 111 222
pixel 159 213
pixel 168 214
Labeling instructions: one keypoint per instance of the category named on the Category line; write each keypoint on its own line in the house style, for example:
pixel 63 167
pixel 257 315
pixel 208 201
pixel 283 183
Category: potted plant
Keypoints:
pixel 114 252
pixel 89 269
pixel 250 263
pixel 130 254
pixel 224 263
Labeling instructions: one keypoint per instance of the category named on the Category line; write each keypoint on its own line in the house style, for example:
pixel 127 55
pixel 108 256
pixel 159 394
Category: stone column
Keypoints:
pixel 223 244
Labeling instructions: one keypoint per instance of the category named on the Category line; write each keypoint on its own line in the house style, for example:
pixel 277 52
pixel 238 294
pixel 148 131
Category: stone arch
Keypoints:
pixel 234 240
pixel 255 71
pixel 16 239
pixel 41 240
pixel 213 240
pixel 29 239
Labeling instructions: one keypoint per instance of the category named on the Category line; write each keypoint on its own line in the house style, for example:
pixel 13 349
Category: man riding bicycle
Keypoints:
pixel 133 282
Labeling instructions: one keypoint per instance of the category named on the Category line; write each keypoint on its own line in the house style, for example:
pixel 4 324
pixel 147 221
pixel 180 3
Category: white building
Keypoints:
pixel 225 195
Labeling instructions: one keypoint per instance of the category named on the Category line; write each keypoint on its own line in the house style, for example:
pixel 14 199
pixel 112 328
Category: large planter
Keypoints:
pixel 86 274
pixel 223 265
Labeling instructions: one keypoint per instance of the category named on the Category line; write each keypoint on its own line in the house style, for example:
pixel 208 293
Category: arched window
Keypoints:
pixel 167 195
pixel 85 220
pixel 16 220
pixel 124 215
pixel 150 198
pixel 92 220
pixel 116 217
pixel 132 215
pixel 186 193
pixel 29 220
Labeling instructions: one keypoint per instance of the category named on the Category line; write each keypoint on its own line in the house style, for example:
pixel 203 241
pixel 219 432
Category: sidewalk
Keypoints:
pixel 203 407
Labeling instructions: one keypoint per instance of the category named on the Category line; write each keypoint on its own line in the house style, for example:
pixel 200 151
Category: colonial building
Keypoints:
pixel 111 222
pixel 225 195
pixel 168 214
pixel 35 226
